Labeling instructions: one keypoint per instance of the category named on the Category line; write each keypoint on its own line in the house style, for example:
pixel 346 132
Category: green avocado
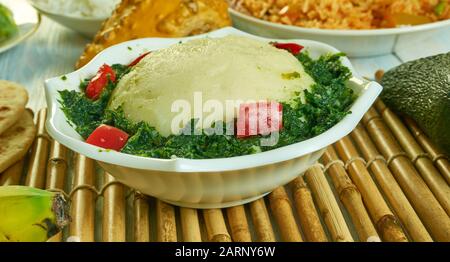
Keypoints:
pixel 421 89
pixel 7 25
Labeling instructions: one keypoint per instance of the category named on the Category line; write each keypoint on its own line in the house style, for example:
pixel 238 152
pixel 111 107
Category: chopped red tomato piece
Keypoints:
pixel 295 49
pixel 108 137
pixel 247 123
pixel 137 60
pixel 99 82
pixel 260 118
pixel 270 117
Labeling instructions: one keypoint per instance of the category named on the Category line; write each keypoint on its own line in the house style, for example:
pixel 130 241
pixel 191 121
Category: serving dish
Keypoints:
pixel 211 183
pixel 83 25
pixel 27 20
pixel 355 43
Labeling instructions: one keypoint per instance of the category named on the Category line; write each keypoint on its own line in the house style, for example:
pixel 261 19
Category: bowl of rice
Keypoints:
pixel 358 28
pixel 83 16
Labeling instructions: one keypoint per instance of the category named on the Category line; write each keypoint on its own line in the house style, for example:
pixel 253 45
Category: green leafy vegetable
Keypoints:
pixel 120 70
pixel 7 25
pixel 86 115
pixel 327 103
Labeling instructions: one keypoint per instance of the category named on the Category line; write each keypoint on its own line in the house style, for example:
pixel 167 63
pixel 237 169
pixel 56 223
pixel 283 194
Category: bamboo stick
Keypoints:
pixel 261 221
pixel 215 226
pixel 83 200
pixel 282 210
pixel 350 197
pixel 442 163
pixel 13 174
pixel 237 219
pixel 190 225
pixel 202 223
pixel 39 154
pixel 141 218
pixel 381 214
pixel 424 165
pixel 57 166
pixel 390 187
pixel 114 214
pixel 327 204
pixel 427 207
pixel 307 213
pixel 165 222
pixel 56 173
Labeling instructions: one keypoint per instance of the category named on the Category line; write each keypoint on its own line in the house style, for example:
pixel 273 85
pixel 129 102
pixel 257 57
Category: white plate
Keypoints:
pixel 355 43
pixel 210 183
pixel 83 25
pixel 27 20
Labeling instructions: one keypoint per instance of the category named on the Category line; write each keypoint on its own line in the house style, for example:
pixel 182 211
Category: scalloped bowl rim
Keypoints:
pixel 341 129
pixel 343 32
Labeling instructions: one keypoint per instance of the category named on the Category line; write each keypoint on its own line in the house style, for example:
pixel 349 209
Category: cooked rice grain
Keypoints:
pixel 340 14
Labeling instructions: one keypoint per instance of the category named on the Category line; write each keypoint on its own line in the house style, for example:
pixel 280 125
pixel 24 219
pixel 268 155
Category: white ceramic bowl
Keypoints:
pixel 212 183
pixel 355 43
pixel 27 20
pixel 83 25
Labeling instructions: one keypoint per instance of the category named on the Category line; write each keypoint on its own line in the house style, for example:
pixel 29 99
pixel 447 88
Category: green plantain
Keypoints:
pixel 31 215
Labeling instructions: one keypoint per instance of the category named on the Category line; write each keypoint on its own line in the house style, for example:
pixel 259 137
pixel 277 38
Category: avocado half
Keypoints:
pixel 420 89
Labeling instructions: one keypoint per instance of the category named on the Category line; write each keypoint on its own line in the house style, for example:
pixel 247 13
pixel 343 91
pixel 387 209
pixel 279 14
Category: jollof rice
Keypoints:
pixel 346 14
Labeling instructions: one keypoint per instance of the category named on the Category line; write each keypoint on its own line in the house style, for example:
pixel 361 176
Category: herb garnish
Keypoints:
pixel 290 76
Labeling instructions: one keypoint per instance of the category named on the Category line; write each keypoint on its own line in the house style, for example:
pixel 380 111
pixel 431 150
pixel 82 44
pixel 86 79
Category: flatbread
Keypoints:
pixel 15 142
pixel 13 99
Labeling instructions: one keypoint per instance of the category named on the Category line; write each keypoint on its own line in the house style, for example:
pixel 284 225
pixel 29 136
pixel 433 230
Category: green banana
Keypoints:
pixel 31 215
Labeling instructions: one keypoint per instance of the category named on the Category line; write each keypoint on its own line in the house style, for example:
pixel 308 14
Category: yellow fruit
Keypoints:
pixel 30 214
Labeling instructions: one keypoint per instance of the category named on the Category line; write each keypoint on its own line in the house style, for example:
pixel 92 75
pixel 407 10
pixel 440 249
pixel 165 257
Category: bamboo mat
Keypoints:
pixel 384 182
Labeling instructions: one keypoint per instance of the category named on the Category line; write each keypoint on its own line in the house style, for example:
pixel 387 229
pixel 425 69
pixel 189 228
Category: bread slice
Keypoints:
pixel 15 142
pixel 13 98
